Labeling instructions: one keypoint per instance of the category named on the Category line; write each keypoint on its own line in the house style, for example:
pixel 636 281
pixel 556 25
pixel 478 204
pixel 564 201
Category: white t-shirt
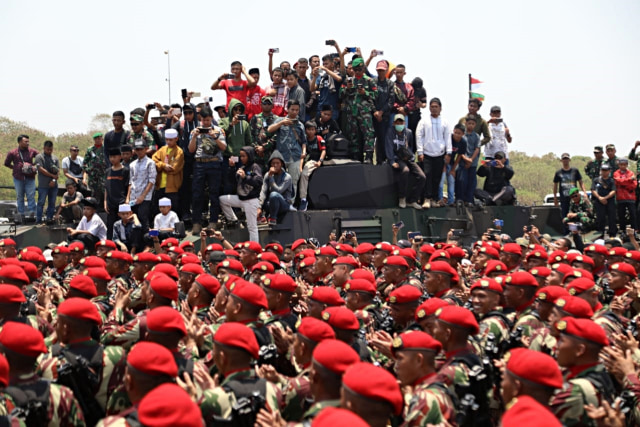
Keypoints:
pixel 165 221
pixel 66 163
pixel 95 226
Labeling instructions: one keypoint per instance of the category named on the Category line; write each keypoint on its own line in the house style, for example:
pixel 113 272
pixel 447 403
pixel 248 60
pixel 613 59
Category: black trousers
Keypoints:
pixel 143 210
pixel 624 207
pixel 606 215
pixel 409 172
pixel 432 167
pixel 380 129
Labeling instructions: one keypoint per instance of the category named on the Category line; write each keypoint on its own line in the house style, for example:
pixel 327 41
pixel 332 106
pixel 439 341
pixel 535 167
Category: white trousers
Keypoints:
pixel 250 208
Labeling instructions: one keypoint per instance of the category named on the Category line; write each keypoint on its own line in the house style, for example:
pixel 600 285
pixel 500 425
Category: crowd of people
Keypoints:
pixel 260 152
pixel 505 332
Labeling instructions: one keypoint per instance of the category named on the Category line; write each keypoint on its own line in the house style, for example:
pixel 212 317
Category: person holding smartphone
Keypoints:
pixel 500 136
pixel 497 188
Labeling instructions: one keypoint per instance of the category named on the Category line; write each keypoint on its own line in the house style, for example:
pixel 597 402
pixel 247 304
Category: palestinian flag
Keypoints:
pixel 474 86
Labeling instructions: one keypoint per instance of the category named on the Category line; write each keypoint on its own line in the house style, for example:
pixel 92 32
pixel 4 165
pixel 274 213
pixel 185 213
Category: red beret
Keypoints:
pixel 397 261
pixel 540 271
pixel 4 371
pixel 63 250
pixel 512 248
pixel 361 273
pixel 176 250
pixel 263 267
pixel 76 246
pixel 252 246
pixel 580 285
pixel 279 282
pixel 335 355
pixel 489 251
pixel 326 295
pixel 107 243
pixel 187 244
pixel 585 329
pixel 562 268
pixel 13 272
pixel 164 286
pixel 152 359
pixel 332 416
pixel 192 269
pixel 306 262
pixel 11 294
pixel 168 269
pixel 315 330
pixel 81 309
pixel 622 267
pixel 84 284
pixel 632 255
pixel 119 255
pixel 617 251
pixel 93 261
pixel 171 241
pixel 363 248
pixel 537 253
pixel 385 247
pixel 270 257
pixel 22 339
pixel 32 256
pixel 7 242
pixel 429 307
pixel 346 260
pixel 164 258
pixel 577 273
pixel 306 253
pixel 188 258
pixel 493 266
pixel 249 292
pixel 232 264
pixel 10 261
pixel 275 247
pixel 440 267
pixel 326 251
pixel 534 366
pixel 343 247
pixel 415 340
pixel 30 269
pixel 598 249
pixel 551 293
pixel 209 283
pixel 165 319
pixel 486 284
pixel 146 257
pixel 586 259
pixel 297 243
pixel 521 278
pixel 439 255
pixel 557 256
pixel 234 334
pixel 97 273
pixel 458 316
pixel 575 306
pixel 405 294
pixel 427 249
pixel 360 285
pixel 525 411
pixel 169 405
pixel 341 318
pixel 373 382
pixel 32 249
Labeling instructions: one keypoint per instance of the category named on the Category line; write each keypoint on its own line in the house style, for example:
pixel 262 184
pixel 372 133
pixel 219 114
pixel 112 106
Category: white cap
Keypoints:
pixel 47 255
pixel 171 133
pixel 124 208
pixel 164 202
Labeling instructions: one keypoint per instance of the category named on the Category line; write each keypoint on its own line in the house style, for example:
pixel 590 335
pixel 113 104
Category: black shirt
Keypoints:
pixel 117 183
pixel 567 180
pixel 114 140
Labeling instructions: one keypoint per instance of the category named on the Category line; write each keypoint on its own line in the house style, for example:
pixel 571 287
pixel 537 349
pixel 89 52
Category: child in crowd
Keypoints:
pixel 165 221
pixel 70 207
pixel 325 125
pixel 115 190
pixel 315 147
pixel 467 183
pixel 127 230
pixel 458 147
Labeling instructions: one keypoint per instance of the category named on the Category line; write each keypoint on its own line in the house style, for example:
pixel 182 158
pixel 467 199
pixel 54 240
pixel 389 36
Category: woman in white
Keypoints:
pixel 249 180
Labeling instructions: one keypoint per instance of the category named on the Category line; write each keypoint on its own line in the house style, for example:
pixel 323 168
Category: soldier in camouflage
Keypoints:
pixel 263 143
pixel 95 169
pixel 592 169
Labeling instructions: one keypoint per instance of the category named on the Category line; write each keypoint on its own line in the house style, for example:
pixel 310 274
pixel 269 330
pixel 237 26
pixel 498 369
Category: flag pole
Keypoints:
pixel 469 85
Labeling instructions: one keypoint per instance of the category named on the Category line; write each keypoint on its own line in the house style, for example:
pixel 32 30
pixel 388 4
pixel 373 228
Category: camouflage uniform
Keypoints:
pixel 584 211
pixel 313 411
pixel 359 110
pixel 367 317
pixel 294 396
pixel 259 124
pixel 543 341
pixel 218 402
pixel 95 166
pixel 528 320
pixel 111 375
pixel 610 322
pixel 104 306
pixel 592 169
pixel 116 332
pixel 428 404
pixel 568 404
pixel 146 136
pixel 491 323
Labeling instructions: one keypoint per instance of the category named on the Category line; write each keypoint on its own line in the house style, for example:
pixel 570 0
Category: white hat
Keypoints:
pixel 171 133
pixel 124 208
pixel 164 202
pixel 47 255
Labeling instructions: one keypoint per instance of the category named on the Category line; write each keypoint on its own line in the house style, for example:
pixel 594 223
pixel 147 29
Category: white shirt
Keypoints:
pixel 498 140
pixel 433 137
pixel 66 163
pixel 95 226
pixel 165 221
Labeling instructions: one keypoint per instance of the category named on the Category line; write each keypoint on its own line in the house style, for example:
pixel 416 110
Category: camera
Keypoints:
pixel 274 50
pixel 349 235
pixel 204 130
pixel 231 76
pixel 150 106
pixel 349 80
pixel 209 231
pixel 379 52
pixel 242 117
pixel 360 86
pixel 457 232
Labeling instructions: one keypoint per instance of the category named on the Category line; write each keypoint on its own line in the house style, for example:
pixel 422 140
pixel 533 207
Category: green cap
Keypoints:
pixel 357 61
pixel 267 100
pixel 609 146
pixel 598 149
pixel 97 134
pixel 573 191
pixel 136 118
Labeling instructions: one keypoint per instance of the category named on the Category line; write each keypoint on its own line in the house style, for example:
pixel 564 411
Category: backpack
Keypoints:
pixel 32 402
pixel 250 397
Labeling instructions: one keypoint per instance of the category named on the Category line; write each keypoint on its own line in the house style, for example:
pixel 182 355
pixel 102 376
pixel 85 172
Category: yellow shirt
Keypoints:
pixel 168 159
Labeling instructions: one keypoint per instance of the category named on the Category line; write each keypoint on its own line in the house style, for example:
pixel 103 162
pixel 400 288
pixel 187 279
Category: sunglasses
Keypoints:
pixel 135 123
pixel 75 151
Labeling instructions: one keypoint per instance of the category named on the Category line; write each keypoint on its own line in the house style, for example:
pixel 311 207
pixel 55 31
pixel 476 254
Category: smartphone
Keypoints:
pixel 457 232
pixel 210 231
pixel 330 42
pixel 498 222
pixel 493 163
pixel 195 94
pixel 351 49
pixel 497 120
pixel 234 159
pixel 379 52
pixel 204 130
pixel 399 225
pixel 242 117
pixel 349 235
pixel 528 228
pixel 154 233
pixel 184 93
pixel 493 231
pixel 274 50
pixel 413 235
pixel 150 106
pixel 573 227
pixel 231 76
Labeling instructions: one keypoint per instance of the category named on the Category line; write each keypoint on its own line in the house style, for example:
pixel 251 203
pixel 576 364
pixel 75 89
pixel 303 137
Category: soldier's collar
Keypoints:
pixel 574 371
pixel 423 379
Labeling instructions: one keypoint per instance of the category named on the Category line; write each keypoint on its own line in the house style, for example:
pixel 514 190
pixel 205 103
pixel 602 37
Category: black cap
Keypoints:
pixel 188 106
pixel 91 202
pixel 220 107
pixel 126 149
pixel 498 155
pixel 217 256
pixel 495 109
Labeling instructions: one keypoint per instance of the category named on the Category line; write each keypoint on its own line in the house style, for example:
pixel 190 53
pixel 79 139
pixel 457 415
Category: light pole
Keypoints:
pixel 166 52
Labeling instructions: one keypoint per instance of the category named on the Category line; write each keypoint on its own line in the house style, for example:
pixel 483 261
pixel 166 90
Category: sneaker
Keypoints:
pixel 292 208
pixel 272 221
pixel 426 204
pixel 303 205
pixel 262 219
pixel 196 229
pixel 415 205
pixel 402 202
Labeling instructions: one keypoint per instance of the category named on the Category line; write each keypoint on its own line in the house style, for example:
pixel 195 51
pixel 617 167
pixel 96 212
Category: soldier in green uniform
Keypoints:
pixel 580 211
pixel 360 298
pixel 358 94
pixel 519 293
pixel 263 143
pixel 139 132
pixel 76 319
pixel 485 299
pixel 592 169
pixel 95 169
pixel 437 280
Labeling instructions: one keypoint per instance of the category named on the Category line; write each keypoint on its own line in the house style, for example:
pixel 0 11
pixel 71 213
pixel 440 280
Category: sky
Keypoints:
pixel 564 72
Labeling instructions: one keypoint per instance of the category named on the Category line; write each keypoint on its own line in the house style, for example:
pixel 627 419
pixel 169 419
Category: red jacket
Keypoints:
pixel 626 184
